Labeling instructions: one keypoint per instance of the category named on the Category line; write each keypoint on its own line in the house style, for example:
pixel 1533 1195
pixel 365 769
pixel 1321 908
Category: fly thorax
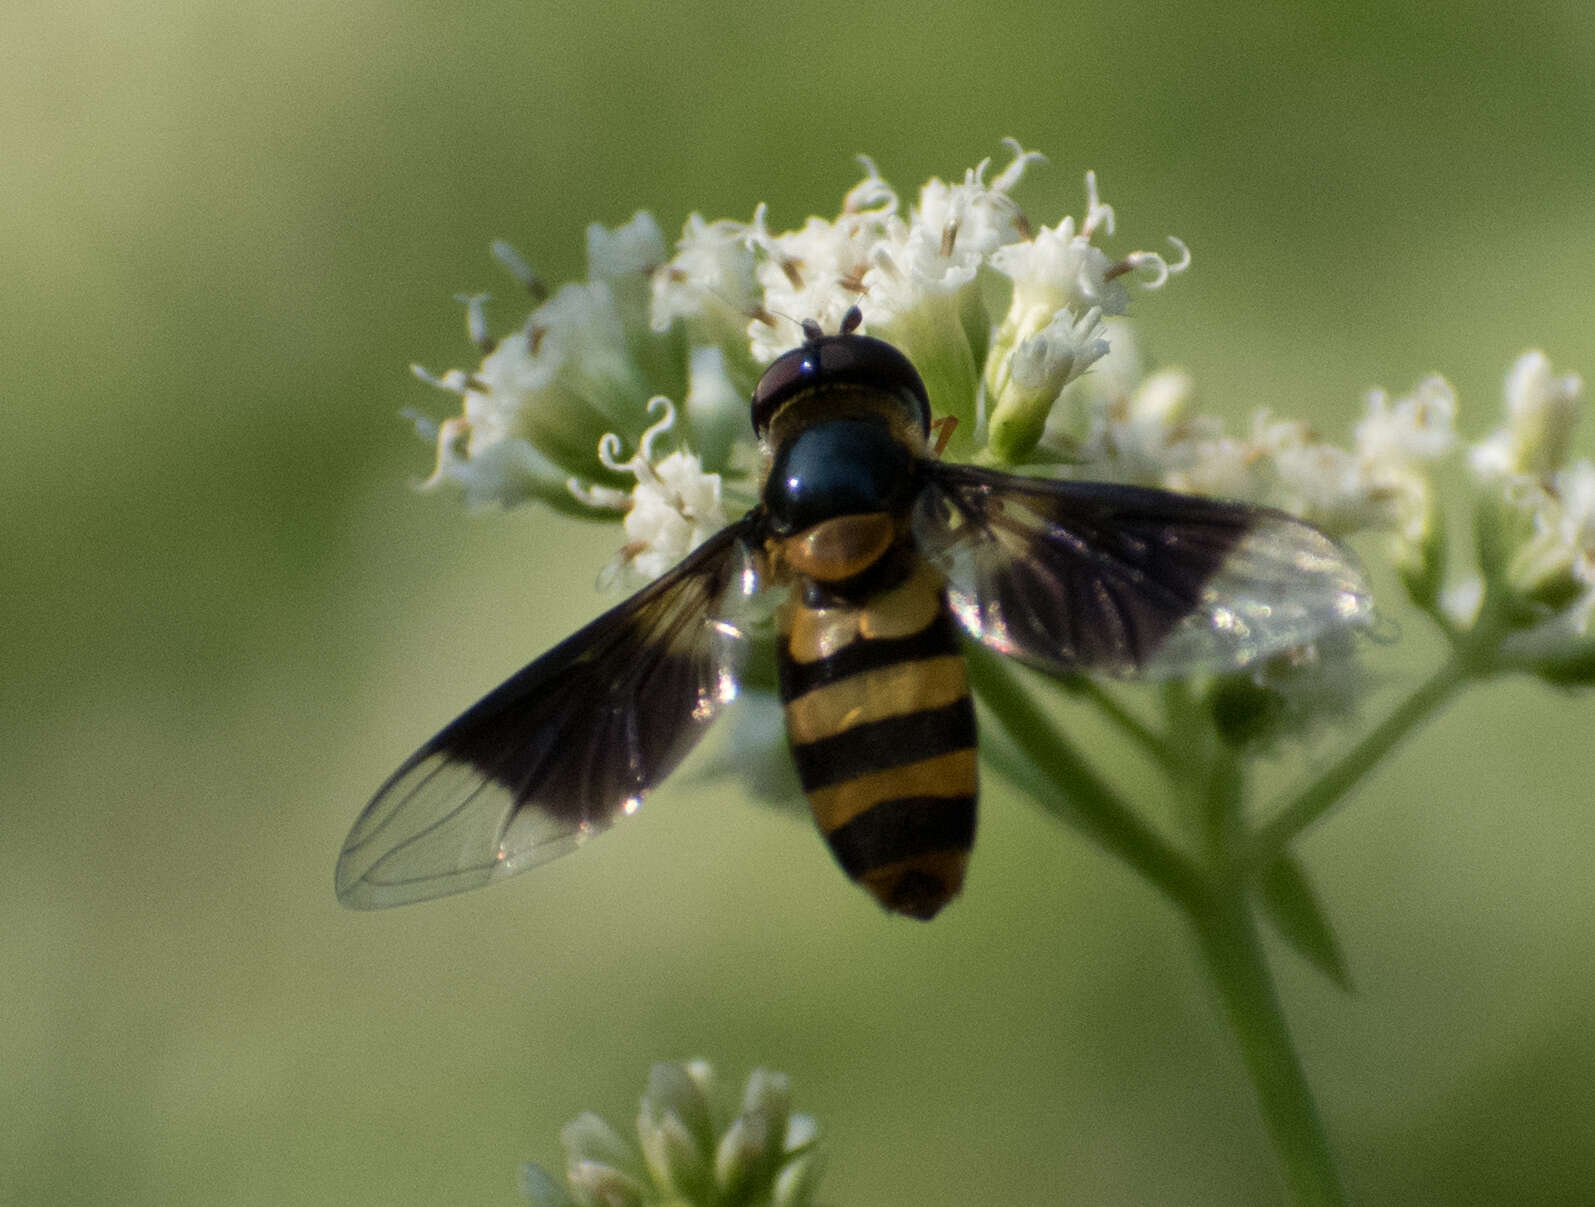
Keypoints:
pixel 853 466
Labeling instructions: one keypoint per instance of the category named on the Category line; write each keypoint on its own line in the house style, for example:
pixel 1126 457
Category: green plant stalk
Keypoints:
pixel 1213 899
pixel 1082 796
pixel 1232 951
pixel 1224 807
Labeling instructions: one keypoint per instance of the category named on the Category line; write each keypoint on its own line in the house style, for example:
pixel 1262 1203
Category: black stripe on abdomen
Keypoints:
pixel 898 830
pixel 885 745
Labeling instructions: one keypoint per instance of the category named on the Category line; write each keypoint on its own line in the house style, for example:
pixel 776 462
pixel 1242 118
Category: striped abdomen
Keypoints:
pixel 883 733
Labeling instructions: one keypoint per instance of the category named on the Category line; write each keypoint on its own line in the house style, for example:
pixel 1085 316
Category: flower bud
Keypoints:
pixel 1541 411
pixel 589 1139
pixel 743 1157
pixel 595 1184
pixel 674 1127
pixel 1023 384
pixel 749 1152
pixel 796 1183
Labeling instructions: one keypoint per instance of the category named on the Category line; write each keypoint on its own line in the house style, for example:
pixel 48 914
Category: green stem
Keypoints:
pixel 1224 805
pixel 1270 841
pixel 1227 935
pixel 1079 795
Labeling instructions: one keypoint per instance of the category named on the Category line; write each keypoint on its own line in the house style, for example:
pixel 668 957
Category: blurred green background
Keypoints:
pixel 227 231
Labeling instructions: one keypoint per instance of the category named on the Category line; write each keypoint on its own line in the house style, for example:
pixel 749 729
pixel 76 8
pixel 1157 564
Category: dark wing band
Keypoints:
pixel 1122 580
pixel 562 749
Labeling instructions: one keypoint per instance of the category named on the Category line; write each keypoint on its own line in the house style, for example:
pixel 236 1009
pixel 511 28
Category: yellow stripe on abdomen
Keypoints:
pixel 874 695
pixel 952 774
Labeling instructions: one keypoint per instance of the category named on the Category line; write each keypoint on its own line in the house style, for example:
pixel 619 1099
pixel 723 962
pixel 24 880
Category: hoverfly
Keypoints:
pixel 888 555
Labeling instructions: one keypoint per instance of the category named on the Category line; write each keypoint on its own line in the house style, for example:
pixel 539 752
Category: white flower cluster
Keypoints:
pixel 997 317
pixel 1122 424
pixel 1003 322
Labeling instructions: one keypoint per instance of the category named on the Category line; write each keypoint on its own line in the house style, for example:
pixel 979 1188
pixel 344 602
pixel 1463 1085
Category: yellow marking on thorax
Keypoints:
pixel 952 774
pixel 841 547
pixel 815 633
pixel 888 691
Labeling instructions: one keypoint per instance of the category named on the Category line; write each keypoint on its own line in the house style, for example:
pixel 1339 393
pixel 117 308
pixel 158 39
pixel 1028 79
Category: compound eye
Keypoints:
pixel 860 358
pixel 788 373
pixel 846 359
pixel 872 362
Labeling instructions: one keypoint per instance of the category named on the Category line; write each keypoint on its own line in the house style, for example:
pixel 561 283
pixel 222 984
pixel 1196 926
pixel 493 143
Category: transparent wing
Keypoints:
pixel 1124 580
pixel 563 748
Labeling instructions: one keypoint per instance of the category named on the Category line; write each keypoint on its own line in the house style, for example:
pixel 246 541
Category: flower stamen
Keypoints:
pixel 515 264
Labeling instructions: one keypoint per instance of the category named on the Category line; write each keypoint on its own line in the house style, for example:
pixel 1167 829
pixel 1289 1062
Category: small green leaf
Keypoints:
pixel 1573 666
pixel 1292 907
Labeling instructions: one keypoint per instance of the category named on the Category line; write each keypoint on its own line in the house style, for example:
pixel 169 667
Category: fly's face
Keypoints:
pixel 891 557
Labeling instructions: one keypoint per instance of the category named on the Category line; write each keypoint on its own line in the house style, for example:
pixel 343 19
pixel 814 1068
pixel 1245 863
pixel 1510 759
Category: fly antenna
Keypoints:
pixel 812 331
